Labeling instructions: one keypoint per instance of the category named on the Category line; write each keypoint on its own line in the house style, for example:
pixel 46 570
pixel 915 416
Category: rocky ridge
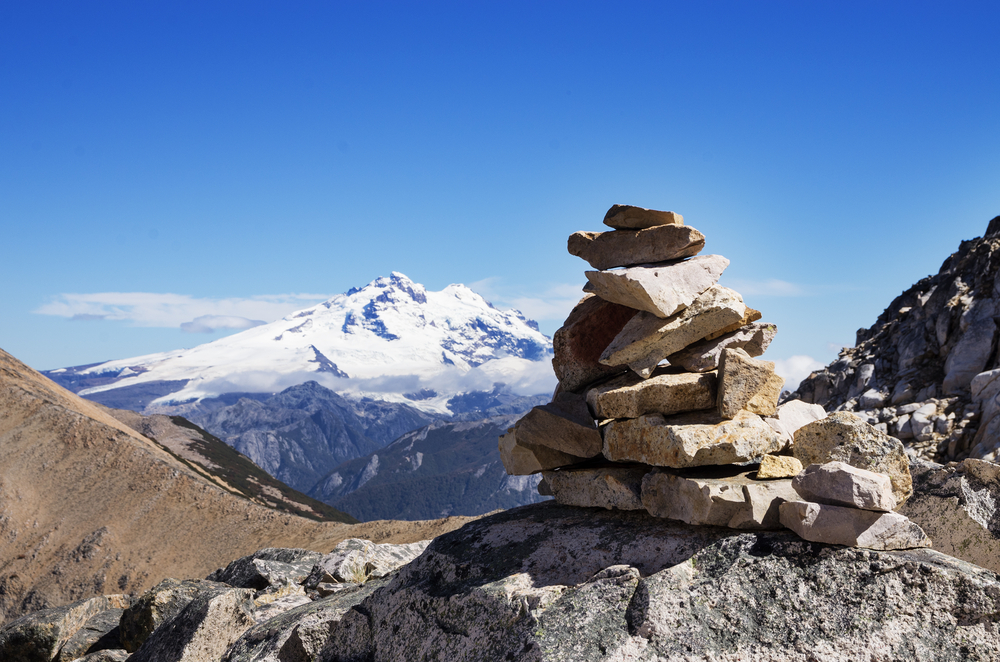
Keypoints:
pixel 663 407
pixel 926 371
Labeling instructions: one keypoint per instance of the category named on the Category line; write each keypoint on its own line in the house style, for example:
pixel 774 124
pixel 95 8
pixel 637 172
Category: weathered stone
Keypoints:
pixel 613 488
pixel 113 655
pixel 298 634
pixel 267 607
pixel 521 458
pixel 836 525
pixel 159 605
pixel 971 353
pixel 625 248
pixel 204 630
pixel 872 399
pixel 690 440
pixel 660 289
pixel 747 383
pixel 718 497
pixel 565 425
pixel 840 484
pixel 98 633
pixel 791 415
pixel 41 635
pixel 778 466
pixel 268 567
pixel 749 316
pixel 578 344
pixel 355 560
pixel 630 396
pixel 704 355
pixel 628 217
pixel 646 339
pixel 844 437
pixel 956 506
pixel 546 582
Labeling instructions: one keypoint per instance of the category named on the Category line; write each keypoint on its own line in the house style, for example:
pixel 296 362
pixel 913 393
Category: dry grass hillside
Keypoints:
pixel 90 506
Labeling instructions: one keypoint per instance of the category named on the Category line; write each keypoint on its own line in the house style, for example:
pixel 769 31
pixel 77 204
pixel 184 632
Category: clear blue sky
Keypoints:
pixel 250 157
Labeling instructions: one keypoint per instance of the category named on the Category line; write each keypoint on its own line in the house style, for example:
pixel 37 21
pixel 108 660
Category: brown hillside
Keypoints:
pixel 90 506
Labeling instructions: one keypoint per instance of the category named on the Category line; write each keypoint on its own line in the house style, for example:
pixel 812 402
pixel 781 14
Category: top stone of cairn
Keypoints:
pixel 627 217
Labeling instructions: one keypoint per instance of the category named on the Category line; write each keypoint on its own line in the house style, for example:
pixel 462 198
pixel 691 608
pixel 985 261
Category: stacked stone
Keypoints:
pixel 661 404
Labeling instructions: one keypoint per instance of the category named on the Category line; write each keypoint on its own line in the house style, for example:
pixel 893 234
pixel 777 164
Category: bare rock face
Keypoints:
pixel 157 606
pixel 926 348
pixel 625 248
pixel 660 289
pixel 851 526
pixel 630 396
pixel 628 217
pixel 355 560
pixel 646 340
pixel 839 484
pixel 550 582
pixel 268 567
pixel 957 507
pixel 747 383
pixel 203 631
pixel 43 634
pixel 689 440
pixel 844 437
pixel 578 344
pixel 613 488
pixel 705 355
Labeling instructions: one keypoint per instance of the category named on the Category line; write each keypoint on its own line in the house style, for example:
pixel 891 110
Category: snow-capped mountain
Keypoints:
pixel 391 340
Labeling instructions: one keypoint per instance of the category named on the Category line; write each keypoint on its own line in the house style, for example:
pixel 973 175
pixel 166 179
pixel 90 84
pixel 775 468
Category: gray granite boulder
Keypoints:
pixel 552 582
pixel 158 605
pixel 41 635
pixel 268 567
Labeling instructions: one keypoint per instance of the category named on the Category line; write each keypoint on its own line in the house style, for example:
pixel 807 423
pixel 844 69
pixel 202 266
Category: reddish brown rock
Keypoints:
pixel 578 344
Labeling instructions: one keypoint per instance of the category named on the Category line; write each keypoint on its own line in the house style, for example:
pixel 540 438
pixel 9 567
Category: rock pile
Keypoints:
pixel 663 406
pixel 925 372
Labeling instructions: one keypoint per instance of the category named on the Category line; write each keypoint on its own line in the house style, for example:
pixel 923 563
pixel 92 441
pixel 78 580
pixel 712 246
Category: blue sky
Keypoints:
pixel 170 168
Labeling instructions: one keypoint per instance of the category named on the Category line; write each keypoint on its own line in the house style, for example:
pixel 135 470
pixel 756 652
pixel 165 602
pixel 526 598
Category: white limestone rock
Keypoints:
pixel 792 415
pixel 689 440
pixel 704 355
pixel 836 525
pixel 630 396
pixel 660 289
pixel 840 484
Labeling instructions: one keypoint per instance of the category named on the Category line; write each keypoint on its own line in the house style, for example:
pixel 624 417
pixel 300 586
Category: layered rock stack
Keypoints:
pixel 663 407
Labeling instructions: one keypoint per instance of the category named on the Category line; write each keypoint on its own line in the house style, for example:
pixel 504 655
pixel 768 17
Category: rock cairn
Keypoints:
pixel 663 406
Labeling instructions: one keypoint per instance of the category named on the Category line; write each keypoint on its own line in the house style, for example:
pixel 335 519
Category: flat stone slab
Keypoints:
pixel 778 466
pixel 747 383
pixel 629 217
pixel 735 501
pixel 844 437
pixel 749 316
pixel 850 526
pixel 704 355
pixel 630 396
pixel 647 339
pixel 612 488
pixel 689 440
pixel 522 458
pixel 579 342
pixel 565 425
pixel 840 484
pixel 625 248
pixel 660 289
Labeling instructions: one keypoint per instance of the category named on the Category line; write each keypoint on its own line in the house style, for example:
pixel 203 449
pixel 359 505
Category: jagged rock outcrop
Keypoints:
pixel 914 372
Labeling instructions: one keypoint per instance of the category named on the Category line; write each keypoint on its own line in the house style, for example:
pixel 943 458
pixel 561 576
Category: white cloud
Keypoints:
pixel 770 287
pixel 547 303
pixel 796 368
pixel 209 323
pixel 191 314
